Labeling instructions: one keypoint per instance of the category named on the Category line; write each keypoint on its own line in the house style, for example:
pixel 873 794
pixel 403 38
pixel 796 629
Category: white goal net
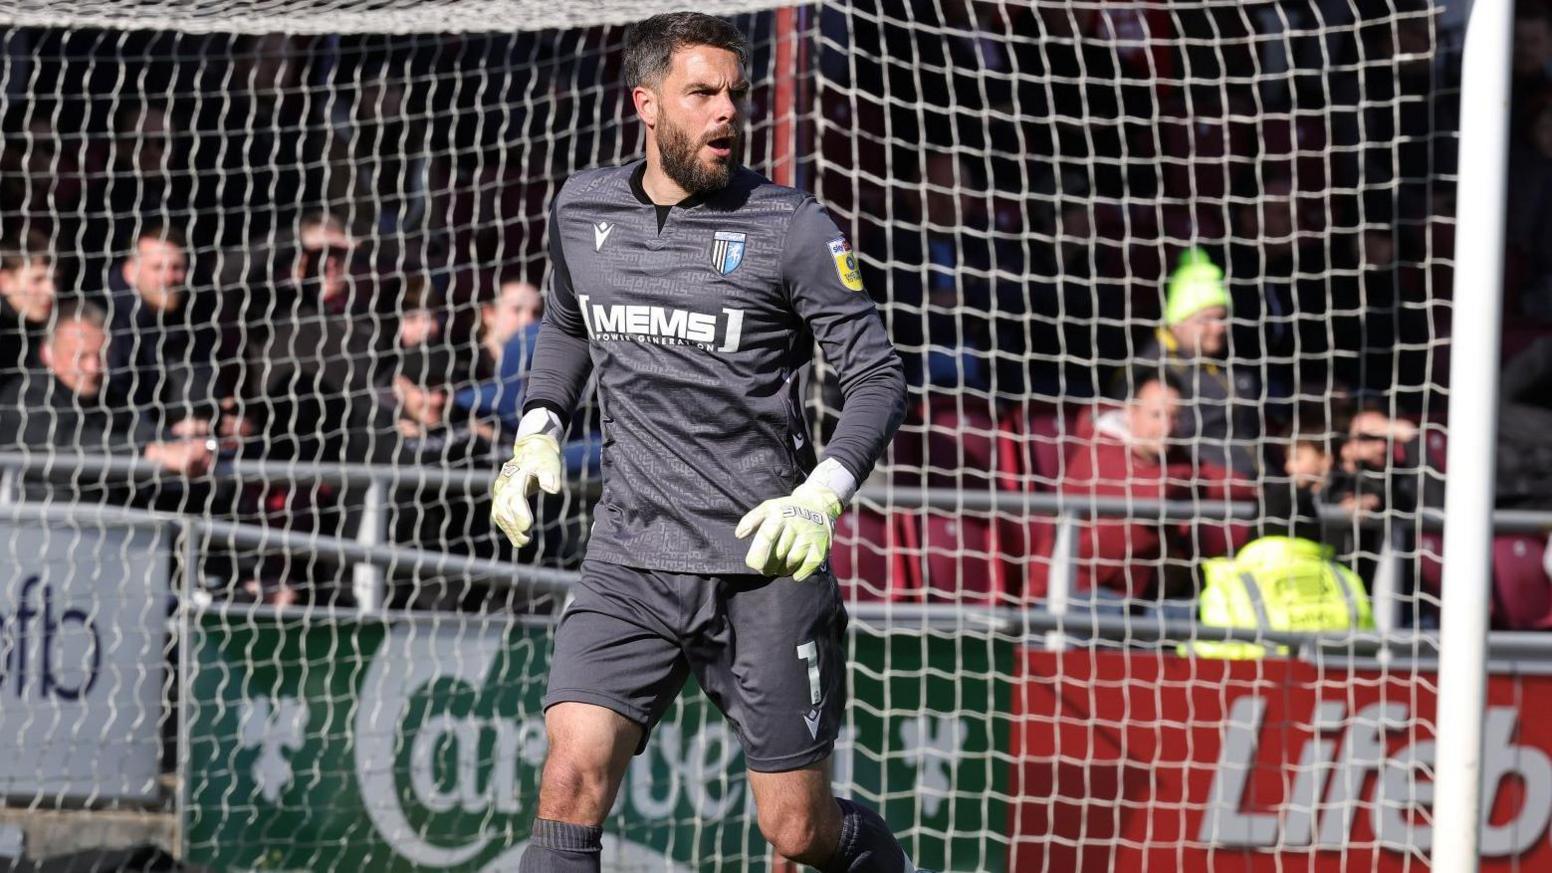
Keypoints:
pixel 1167 278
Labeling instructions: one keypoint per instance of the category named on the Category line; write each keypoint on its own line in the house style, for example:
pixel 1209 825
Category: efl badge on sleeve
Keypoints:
pixel 727 251
pixel 846 263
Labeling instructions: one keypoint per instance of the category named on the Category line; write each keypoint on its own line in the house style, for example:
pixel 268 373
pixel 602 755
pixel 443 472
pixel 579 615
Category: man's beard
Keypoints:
pixel 679 153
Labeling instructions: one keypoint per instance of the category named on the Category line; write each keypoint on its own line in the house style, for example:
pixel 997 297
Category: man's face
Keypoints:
pixel 1205 333
pixel 74 355
pixel 1366 445
pixel 326 250
pixel 1532 45
pixel 518 306
pixel 696 116
pixel 422 405
pixel 30 289
pixel 157 272
pixel 1307 465
pixel 1379 249
pixel 1150 418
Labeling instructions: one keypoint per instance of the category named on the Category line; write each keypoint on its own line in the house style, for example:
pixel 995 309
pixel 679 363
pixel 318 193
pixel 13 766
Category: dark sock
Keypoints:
pixel 867 845
pixel 558 847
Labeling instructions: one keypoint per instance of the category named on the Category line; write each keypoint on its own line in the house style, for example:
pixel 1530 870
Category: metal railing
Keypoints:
pixel 373 556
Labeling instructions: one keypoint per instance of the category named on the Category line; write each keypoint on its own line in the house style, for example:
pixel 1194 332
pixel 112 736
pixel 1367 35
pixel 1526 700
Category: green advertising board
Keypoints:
pixel 415 744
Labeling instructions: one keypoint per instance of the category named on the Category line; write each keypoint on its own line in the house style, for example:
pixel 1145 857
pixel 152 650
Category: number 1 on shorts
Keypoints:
pixel 810 652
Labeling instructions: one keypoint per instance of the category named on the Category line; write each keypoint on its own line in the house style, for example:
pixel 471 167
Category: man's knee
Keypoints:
pixel 575 792
pixel 801 829
pixel 590 748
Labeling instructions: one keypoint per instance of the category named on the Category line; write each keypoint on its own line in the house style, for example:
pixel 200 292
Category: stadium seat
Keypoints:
pixel 961 443
pixel 1436 445
pixel 1522 594
pixel 1030 446
pixel 1430 561
pixel 962 561
pixel 868 556
pixel 1026 546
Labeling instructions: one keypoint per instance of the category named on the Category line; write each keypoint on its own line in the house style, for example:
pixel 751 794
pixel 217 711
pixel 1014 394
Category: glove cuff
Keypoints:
pixel 827 499
pixel 540 421
pixel 834 478
pixel 549 441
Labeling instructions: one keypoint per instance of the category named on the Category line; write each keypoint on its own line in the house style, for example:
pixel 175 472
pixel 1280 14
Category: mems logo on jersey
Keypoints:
pixel 845 263
pixel 661 325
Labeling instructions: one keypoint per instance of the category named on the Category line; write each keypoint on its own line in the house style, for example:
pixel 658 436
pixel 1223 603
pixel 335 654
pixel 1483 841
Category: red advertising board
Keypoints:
pixel 1142 761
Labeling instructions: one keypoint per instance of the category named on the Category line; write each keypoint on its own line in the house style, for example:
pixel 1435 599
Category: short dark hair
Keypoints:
pixel 419 292
pixel 156 229
pixel 31 248
pixel 650 45
pixel 430 368
pixel 1143 375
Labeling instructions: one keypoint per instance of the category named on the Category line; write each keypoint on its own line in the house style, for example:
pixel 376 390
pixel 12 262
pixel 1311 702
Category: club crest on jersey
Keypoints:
pixel 727 251
pixel 845 263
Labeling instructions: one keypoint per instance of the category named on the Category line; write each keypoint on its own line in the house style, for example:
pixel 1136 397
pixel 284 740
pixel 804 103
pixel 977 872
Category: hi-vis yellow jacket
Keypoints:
pixel 1279 584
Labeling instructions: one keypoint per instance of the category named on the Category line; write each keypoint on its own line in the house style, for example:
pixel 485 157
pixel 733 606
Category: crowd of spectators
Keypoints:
pixel 1205 285
pixel 181 375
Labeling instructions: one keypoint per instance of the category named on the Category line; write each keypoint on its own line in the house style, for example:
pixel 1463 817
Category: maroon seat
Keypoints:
pixel 1430 561
pixel 1030 446
pixel 1522 594
pixel 1025 546
pixel 961 442
pixel 868 556
pixel 961 560
pixel 1436 446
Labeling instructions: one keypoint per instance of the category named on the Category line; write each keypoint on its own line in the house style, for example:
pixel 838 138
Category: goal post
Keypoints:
pixel 1484 150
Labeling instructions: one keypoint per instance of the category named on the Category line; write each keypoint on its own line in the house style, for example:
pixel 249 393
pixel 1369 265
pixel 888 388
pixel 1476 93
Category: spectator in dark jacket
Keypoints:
pixel 311 393
pixel 413 422
pixel 415 425
pixel 1220 415
pixel 509 325
pixel 314 375
pixel 163 353
pixel 27 295
pixel 62 409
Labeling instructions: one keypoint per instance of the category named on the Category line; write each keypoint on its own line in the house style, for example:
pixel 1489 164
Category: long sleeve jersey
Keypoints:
pixel 698 328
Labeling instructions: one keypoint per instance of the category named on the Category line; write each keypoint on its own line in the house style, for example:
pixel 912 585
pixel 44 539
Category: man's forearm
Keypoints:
pixel 873 410
pixel 561 365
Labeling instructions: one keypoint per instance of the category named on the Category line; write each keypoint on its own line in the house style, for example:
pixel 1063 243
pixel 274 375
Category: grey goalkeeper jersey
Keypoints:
pixel 697 333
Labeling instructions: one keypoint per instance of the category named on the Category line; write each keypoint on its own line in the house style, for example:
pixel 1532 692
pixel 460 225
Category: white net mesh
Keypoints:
pixel 311 232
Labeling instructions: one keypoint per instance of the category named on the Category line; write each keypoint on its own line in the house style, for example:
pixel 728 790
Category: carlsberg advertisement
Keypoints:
pixel 416 745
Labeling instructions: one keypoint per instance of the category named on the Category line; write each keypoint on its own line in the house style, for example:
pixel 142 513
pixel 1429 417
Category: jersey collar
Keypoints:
pixel 640 190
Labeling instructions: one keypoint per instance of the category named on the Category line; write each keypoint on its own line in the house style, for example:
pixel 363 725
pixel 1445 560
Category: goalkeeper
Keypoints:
pixel 696 289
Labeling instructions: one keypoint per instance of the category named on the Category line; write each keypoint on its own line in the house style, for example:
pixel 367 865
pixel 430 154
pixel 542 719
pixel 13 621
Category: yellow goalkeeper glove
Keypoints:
pixel 535 464
pixel 791 534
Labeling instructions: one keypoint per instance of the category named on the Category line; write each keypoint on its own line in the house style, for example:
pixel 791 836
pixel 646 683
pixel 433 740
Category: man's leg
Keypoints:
pixel 615 669
pixel 806 824
pixel 590 747
pixel 777 669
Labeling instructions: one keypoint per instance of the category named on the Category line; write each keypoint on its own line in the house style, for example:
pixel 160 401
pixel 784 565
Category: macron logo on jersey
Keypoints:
pixel 601 232
pixel 661 325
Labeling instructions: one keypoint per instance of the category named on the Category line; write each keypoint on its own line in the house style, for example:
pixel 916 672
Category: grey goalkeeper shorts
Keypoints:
pixel 770 653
